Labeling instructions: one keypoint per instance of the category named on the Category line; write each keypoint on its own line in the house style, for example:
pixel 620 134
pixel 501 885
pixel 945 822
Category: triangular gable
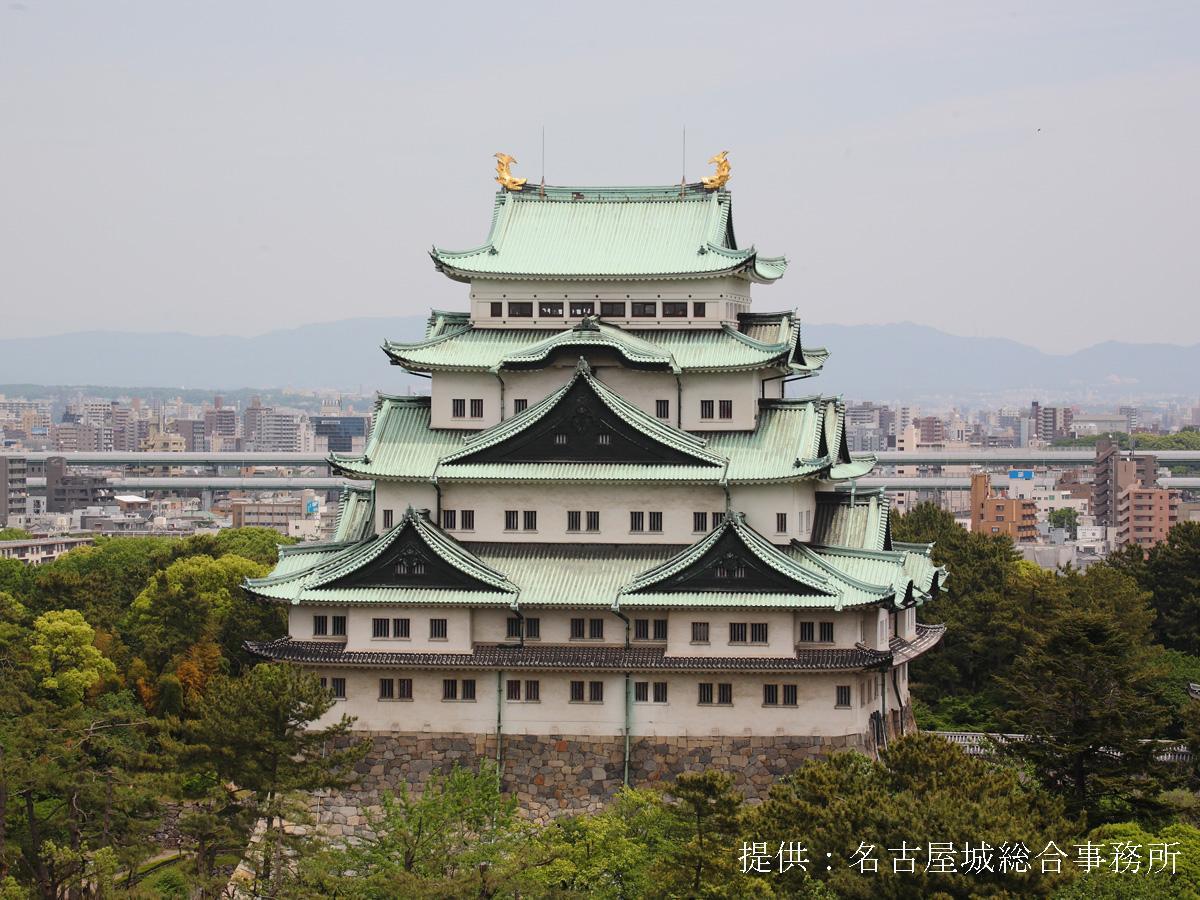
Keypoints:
pixel 589 334
pixel 583 422
pixel 731 558
pixel 414 554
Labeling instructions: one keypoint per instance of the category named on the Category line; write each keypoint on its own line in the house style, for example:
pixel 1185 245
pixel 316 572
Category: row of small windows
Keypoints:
pixel 458 409
pixel 581 520
pixel 523 309
pixel 724 408
pixel 662 410
pixel 530 691
pixel 335 626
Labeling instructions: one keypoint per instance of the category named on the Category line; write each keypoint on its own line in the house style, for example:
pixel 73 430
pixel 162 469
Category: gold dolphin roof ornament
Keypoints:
pixel 507 181
pixel 719 177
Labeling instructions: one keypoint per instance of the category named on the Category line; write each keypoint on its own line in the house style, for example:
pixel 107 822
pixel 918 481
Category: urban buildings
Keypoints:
pixel 1113 473
pixel 1144 515
pixel 607 535
pixel 14 491
pixel 994 512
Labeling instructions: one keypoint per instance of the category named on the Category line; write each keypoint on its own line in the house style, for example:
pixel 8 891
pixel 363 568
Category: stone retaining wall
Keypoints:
pixel 561 774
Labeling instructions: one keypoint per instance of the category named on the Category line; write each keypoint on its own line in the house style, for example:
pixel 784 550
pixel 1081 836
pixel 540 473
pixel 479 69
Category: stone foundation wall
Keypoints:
pixel 553 775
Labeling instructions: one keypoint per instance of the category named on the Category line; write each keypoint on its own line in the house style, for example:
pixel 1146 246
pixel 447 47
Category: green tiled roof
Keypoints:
pixel 761 340
pixel 401 446
pixel 356 515
pixel 849 518
pixel 581 233
pixel 599 575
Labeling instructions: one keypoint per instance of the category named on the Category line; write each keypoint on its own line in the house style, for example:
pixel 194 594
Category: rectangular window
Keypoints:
pixel 660 692
pixel 579 310
pixel 337 687
pixel 387 518
pixel 577 629
pixel 401 628
pixel 789 695
pixel 477 409
pixel 381 628
pixel 593 520
pixel 645 310
pixel 574 520
pixel 604 440
pixel 843 695
pixel 449 519
pixel 660 629
pixel 674 310
pixel 511 519
pixel 458 408
pixel 807 632
pixel 576 691
pixel 662 409
pixel 468 519
pixel 468 689
pixel 595 692
pixel 699 632
pixel 637 521
pixel 826 632
pixel 520 309
pixel 770 695
pixel 737 632
pixel 641 692
pixel 449 689
pixel 656 521
pixel 560 439
pixel 530 520
pixel 758 632
pixel 726 408
pixel 612 309
pixel 339 626
pixel 781 523
pixel 324 681
pixel 437 629
pixel 717 519
pixel 387 689
pixel 641 629
pixel 706 409
pixel 533 628
pixel 706 693
pixel 520 404
pixel 725 694
pixel 514 689
pixel 514 627
pixel 320 626
pixel 497 310
pixel 699 522
pixel 550 310
pixel 533 692
pixel 698 310
pixel 596 629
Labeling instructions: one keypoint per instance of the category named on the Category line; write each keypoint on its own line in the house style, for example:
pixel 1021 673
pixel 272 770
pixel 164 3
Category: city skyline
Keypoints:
pixel 221 172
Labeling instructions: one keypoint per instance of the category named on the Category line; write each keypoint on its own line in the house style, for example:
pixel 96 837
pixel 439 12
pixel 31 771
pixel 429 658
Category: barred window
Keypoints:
pixel 320 626
pixel 338 688
pixel 593 520
pixel 641 692
pixel 511 519
pixel 725 694
pixel 533 627
pixel 717 518
pixel 660 692
pixel 530 520
pixel 387 518
pixel 381 628
pixel 726 408
pixel 468 519
pixel 827 632
pixel 514 627
pixel 449 519
pixel 637 521
pixel 699 632
pixel 806 632
pixel 770 695
pixel 706 409
pixel 781 523
pixel 758 632
pixel 660 629
pixel 520 404
pixel 699 522
pixel 596 629
pixel 400 628
pixel 458 408
pixel 560 439
pixel 595 692
pixel 574 519
pixel 339 626
pixel 641 629
pixel 449 689
pixel 656 521
pixel 577 629
pixel 514 689
pixel 476 409
pixel 387 689
pixel 576 691
pixel 437 629
pixel 789 695
pixel 706 693
pixel 662 409
pixel 843 695
pixel 533 692
pixel 737 632
pixel 604 439
pixel 468 689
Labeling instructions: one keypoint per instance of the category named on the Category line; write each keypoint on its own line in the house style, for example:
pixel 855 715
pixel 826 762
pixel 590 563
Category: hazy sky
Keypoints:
pixel 1018 169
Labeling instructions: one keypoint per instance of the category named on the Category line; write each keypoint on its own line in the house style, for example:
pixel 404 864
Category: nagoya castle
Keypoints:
pixel 620 537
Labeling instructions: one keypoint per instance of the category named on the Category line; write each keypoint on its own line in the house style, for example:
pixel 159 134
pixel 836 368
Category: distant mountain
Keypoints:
pixel 900 361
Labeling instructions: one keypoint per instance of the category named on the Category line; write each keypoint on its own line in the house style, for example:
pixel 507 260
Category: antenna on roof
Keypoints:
pixel 543 188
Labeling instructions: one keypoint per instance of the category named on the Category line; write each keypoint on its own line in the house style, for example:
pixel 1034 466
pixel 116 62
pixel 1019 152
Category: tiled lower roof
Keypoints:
pixel 928 636
pixel 572 658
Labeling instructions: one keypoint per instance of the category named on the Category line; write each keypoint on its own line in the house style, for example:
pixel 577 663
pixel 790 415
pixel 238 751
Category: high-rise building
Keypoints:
pixel 1144 515
pixel 1112 474
pixel 996 513
pixel 14 492
pixel 606 529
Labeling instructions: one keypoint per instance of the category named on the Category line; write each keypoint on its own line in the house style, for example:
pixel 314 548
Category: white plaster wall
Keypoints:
pixel 614 503
pixel 761 502
pixel 358 628
pixel 815 714
pixel 445 387
pixel 780 634
pixel 740 387
pixel 398 496
pixel 491 626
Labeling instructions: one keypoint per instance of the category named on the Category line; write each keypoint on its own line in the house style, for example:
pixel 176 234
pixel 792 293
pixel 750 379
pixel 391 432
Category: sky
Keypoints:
pixel 1017 169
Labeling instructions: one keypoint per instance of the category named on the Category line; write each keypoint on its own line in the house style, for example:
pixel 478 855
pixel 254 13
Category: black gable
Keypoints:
pixel 580 428
pixel 728 565
pixel 408 562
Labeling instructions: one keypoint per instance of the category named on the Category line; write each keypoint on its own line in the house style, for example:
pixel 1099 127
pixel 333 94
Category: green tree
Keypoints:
pixel 64 657
pixel 922 789
pixel 1171 573
pixel 255 732
pixel 1087 692
pixel 1066 518
pixel 14 534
